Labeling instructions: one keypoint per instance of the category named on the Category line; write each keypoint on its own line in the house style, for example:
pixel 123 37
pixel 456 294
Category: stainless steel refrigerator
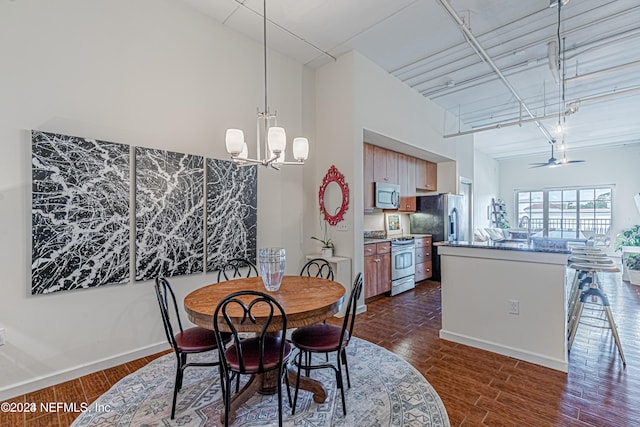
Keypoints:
pixel 445 217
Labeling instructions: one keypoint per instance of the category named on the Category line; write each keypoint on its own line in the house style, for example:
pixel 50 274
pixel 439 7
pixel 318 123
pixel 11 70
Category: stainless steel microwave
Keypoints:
pixel 387 196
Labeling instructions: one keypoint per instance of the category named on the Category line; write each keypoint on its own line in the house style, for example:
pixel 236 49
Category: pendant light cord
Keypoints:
pixel 560 73
pixel 264 47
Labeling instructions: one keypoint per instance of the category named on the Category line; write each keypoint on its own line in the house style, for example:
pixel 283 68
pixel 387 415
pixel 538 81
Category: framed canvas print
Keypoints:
pixel 79 213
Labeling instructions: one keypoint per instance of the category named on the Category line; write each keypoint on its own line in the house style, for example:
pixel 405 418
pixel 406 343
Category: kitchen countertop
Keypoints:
pixel 368 240
pixel 508 245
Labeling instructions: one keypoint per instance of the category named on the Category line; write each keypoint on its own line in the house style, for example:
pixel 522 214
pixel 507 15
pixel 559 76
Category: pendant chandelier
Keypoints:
pixel 271 137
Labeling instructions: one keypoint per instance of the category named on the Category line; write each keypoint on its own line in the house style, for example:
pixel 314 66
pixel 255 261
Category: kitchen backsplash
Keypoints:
pixel 374 234
pixel 375 226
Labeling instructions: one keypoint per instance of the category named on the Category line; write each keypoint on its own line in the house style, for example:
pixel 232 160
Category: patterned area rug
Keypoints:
pixel 385 391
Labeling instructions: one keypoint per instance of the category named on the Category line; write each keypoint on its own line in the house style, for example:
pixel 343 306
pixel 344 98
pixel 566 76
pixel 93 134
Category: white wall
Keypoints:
pixel 334 141
pixel 152 73
pixel 486 185
pixel 354 94
pixel 616 166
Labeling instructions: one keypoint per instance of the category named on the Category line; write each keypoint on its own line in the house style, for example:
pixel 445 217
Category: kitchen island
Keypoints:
pixel 508 298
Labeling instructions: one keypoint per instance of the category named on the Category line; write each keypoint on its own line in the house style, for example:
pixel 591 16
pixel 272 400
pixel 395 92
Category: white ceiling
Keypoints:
pixel 420 43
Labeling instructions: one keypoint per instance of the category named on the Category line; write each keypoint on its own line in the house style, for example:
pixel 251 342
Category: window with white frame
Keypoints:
pixel 566 212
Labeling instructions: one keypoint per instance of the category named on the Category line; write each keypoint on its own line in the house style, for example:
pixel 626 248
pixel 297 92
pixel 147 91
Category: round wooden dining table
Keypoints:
pixel 306 300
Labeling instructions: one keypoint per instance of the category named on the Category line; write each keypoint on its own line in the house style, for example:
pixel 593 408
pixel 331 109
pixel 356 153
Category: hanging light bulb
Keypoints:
pixel 300 149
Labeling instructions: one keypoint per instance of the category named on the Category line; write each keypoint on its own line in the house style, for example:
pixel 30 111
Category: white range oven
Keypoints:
pixel 403 264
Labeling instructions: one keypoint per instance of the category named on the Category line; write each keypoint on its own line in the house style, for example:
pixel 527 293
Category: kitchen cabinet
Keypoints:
pixel 424 267
pixel 412 174
pixel 377 269
pixel 407 182
pixel 385 165
pixel 426 175
pixel 369 181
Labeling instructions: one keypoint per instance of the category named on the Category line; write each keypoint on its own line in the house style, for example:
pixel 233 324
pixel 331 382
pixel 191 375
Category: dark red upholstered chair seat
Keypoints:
pixel 243 354
pixel 196 340
pixel 251 354
pixel 323 338
pixel 319 338
pixel 186 341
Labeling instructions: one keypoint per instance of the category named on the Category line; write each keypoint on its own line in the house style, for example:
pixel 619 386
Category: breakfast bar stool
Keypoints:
pixel 585 277
pixel 592 295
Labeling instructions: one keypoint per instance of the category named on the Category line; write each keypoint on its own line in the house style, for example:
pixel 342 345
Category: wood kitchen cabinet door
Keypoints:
pixel 369 180
pixel 384 274
pixel 377 269
pixel 407 181
pixel 385 165
pixel 424 269
pixel 370 275
pixel 426 175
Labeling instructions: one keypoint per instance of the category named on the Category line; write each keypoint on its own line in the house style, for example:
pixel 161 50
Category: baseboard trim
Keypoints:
pixel 58 377
pixel 538 359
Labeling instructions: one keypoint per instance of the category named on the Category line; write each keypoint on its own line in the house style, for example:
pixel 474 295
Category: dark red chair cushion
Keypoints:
pixel 196 339
pixel 251 354
pixel 319 337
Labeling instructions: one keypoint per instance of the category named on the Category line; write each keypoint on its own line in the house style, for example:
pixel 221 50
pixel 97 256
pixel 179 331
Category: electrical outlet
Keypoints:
pixel 342 226
pixel 514 306
pixel 3 337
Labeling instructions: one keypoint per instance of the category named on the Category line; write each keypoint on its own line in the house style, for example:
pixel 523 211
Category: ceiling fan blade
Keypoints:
pixel 553 162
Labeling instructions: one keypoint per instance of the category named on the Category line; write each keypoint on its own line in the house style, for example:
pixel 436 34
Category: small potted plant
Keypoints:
pixel 632 262
pixel 327 246
pixel 327 243
pixel 628 242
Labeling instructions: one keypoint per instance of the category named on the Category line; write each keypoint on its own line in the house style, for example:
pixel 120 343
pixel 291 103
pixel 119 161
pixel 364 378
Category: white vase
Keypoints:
pixel 626 251
pixel 326 253
pixel 634 276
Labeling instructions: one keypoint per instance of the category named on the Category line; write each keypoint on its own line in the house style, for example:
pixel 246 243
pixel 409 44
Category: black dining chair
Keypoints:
pixel 186 341
pixel 233 269
pixel 317 267
pixel 267 351
pixel 325 338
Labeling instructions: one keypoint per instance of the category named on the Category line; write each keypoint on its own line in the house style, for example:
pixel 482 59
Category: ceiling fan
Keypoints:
pixel 553 162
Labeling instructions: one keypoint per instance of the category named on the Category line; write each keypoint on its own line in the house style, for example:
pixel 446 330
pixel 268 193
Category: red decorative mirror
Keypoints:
pixel 333 196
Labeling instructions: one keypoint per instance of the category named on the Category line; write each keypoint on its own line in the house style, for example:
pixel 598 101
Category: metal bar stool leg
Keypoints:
pixel 614 331
pixel 587 280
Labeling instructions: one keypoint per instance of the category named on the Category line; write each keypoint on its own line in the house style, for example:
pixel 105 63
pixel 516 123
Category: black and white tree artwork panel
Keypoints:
pixel 79 213
pixel 232 201
pixel 169 213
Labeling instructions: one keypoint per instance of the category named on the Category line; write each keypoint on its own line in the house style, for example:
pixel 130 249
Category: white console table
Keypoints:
pixel 342 274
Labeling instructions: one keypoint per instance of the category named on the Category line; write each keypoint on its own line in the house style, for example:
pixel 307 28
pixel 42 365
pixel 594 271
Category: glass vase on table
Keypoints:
pixel 271 262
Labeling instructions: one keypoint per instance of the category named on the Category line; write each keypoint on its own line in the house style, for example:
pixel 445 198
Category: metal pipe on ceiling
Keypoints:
pixel 624 92
pixel 603 43
pixel 417 69
pixel 485 56
pixel 428 74
pixel 602 72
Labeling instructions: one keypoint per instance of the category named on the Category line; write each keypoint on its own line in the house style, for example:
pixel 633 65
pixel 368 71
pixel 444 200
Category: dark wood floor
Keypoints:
pixel 477 388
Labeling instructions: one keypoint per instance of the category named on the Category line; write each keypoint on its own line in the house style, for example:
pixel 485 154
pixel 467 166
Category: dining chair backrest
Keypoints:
pixel 267 317
pixel 350 313
pixel 317 267
pixel 168 310
pixel 233 269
